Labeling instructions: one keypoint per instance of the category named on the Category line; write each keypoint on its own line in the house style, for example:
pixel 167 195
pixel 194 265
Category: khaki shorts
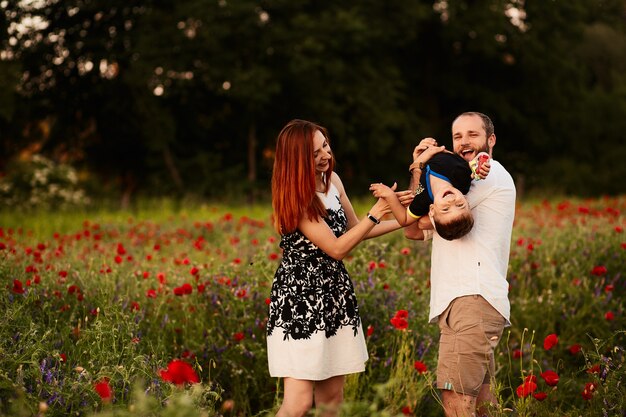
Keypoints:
pixel 470 330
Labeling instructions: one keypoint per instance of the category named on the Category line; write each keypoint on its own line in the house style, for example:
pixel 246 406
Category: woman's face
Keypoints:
pixel 321 152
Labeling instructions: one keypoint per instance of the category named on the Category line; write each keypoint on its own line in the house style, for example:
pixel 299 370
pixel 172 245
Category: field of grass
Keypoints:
pixel 110 313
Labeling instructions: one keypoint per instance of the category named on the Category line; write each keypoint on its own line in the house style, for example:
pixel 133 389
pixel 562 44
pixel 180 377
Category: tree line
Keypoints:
pixel 187 97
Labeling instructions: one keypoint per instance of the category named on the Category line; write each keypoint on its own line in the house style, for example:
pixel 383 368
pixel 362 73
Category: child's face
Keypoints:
pixel 449 204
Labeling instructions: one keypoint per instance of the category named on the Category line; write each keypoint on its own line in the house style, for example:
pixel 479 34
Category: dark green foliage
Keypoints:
pixel 187 97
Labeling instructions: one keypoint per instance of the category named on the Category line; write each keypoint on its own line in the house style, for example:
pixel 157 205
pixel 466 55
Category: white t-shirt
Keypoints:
pixel 477 263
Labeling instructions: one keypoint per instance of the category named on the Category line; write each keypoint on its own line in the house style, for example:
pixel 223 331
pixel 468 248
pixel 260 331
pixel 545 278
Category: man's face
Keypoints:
pixel 469 137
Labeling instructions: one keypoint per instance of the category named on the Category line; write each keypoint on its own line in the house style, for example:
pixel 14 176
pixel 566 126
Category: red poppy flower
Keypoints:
pixel 599 270
pixel 619 229
pixel 528 387
pixel 18 288
pixel 609 316
pixel 273 256
pixel 399 323
pixel 540 396
pixel 151 293
pixel 402 314
pixel 588 391
pixel 420 367
pixel 194 271
pixel 550 341
pixel 406 410
pixel 179 372
pixel 609 288
pixel 551 377
pixel 370 330
pixel 575 349
pixel 517 353
pixel 595 369
pixel 63 357
pixel 268 301
pixel 239 336
pixel 120 249
pixel 405 251
pixel 104 390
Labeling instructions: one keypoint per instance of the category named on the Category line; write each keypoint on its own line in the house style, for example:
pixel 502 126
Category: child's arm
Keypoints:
pixel 380 190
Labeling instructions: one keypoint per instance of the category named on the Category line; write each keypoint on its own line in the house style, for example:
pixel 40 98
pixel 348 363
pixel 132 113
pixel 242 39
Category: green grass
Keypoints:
pixel 95 311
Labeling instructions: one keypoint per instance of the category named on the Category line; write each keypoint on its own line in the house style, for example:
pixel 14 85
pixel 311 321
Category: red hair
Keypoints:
pixel 293 177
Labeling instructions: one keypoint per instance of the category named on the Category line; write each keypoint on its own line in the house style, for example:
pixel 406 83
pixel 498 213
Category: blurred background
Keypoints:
pixel 128 99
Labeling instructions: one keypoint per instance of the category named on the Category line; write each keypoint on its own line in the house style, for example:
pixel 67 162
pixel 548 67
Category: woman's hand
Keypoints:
pixel 382 207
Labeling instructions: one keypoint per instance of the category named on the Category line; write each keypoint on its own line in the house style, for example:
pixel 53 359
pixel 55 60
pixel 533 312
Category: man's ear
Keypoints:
pixel 491 141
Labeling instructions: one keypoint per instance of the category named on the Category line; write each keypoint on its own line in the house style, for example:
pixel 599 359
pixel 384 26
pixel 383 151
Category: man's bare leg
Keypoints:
pixel 484 400
pixel 458 405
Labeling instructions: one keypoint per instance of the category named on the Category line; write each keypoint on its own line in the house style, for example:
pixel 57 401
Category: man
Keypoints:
pixel 469 290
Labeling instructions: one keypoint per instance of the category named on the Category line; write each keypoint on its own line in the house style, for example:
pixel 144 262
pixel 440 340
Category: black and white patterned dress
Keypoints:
pixel 314 329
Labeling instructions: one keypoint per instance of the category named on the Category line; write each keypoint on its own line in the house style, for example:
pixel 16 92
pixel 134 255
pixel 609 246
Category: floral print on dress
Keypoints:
pixel 312 291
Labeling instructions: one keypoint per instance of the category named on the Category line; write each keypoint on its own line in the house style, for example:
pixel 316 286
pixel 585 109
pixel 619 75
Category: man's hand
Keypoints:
pixel 405 197
pixel 423 145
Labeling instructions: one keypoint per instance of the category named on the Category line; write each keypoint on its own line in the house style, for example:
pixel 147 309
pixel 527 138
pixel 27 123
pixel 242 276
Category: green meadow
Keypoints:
pixel 100 305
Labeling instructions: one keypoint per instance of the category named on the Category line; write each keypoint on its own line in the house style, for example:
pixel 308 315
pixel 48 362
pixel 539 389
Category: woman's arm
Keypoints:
pixel 318 232
pixel 378 230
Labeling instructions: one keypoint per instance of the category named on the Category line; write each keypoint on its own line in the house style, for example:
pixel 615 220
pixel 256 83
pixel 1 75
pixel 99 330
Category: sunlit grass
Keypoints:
pixel 101 297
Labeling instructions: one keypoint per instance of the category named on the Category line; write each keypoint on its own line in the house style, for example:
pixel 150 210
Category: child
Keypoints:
pixel 443 181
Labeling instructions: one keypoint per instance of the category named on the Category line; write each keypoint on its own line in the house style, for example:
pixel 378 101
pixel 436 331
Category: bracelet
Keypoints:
pixel 417 165
pixel 373 219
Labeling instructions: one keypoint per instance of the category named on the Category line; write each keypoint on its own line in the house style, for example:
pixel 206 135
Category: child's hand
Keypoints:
pixel 480 166
pixel 484 170
pixel 380 190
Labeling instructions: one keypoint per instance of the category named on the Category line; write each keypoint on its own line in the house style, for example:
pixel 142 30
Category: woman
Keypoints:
pixel 314 332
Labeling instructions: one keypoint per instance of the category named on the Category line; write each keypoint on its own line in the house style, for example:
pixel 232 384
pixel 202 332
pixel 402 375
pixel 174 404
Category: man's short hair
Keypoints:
pixel 487 123
pixel 455 228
